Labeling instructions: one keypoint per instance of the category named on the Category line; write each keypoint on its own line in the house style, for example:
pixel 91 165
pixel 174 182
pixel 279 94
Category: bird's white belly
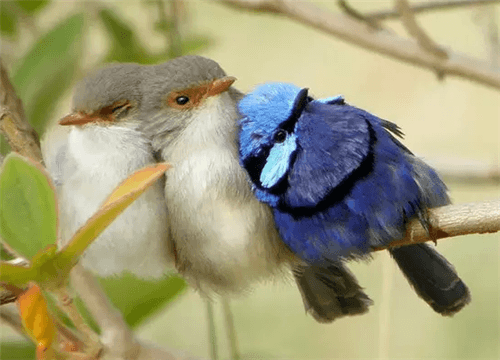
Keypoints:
pixel 224 237
pixel 137 240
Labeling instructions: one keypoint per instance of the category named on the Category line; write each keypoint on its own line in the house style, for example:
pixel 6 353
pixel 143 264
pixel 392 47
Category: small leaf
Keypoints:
pixel 28 208
pixel 46 71
pixel 148 297
pixel 138 181
pixel 37 320
pixel 129 190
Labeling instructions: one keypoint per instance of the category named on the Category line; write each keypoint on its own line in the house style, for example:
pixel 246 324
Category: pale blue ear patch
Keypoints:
pixel 278 162
pixel 332 100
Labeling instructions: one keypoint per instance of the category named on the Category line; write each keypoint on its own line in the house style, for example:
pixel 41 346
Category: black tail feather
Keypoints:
pixel 433 278
pixel 330 292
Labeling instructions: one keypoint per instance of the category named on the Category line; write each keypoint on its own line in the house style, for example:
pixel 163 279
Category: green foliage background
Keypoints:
pixel 443 120
pixel 42 75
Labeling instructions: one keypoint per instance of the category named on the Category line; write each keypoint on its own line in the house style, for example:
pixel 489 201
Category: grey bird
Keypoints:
pixel 222 238
pixel 102 148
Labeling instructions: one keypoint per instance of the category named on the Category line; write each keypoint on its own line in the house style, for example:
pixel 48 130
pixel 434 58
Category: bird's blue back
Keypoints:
pixel 340 183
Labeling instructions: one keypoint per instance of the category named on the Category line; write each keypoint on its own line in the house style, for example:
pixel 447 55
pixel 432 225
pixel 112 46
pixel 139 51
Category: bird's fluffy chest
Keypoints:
pixel 99 159
pixel 215 220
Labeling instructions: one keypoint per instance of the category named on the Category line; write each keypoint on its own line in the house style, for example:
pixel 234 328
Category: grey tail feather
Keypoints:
pixel 330 292
pixel 432 277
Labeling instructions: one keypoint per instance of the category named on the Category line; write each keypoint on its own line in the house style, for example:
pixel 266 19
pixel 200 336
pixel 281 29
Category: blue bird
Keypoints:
pixel 340 183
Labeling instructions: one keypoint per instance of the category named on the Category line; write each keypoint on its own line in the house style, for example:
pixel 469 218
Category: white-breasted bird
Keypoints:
pixel 102 148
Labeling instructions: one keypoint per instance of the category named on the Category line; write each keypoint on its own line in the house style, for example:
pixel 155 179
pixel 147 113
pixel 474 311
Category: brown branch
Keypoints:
pixel 115 334
pixel 383 42
pixel 454 220
pixel 21 137
pixel 415 30
pixel 429 6
pixel 349 10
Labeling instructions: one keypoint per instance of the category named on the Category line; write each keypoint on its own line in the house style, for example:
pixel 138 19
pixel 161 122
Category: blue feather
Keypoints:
pixel 332 100
pixel 278 162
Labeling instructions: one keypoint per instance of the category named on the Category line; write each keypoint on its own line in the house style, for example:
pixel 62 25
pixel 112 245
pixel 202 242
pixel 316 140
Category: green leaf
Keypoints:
pixel 28 218
pixel 147 297
pixel 8 21
pixel 125 45
pixel 46 71
pixel 32 6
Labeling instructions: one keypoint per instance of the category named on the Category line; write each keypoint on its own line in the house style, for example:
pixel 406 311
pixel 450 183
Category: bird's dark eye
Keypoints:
pixel 119 108
pixel 280 136
pixel 116 108
pixel 182 100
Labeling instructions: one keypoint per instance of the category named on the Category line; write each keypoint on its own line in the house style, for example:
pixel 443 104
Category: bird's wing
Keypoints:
pixel 360 189
pixel 333 142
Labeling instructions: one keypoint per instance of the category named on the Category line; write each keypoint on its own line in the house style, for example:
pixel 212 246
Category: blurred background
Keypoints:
pixel 49 45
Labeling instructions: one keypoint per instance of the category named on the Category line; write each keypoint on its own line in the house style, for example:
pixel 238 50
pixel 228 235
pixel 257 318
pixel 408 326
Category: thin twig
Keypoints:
pixel 383 42
pixel 66 303
pixel 349 10
pixel 21 137
pixel 415 30
pixel 453 220
pixel 429 6
pixel 116 336
pixel 175 33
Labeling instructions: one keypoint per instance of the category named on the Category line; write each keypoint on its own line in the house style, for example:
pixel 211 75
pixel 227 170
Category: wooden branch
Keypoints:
pixel 383 42
pixel 116 336
pixel 349 10
pixel 429 6
pixel 21 137
pixel 454 220
pixel 415 30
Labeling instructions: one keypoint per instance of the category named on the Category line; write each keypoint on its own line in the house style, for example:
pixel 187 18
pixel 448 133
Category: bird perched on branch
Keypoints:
pixel 223 238
pixel 340 183
pixel 102 148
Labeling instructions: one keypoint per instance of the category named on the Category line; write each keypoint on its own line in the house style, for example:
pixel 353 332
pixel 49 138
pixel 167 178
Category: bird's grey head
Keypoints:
pixel 176 90
pixel 108 95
